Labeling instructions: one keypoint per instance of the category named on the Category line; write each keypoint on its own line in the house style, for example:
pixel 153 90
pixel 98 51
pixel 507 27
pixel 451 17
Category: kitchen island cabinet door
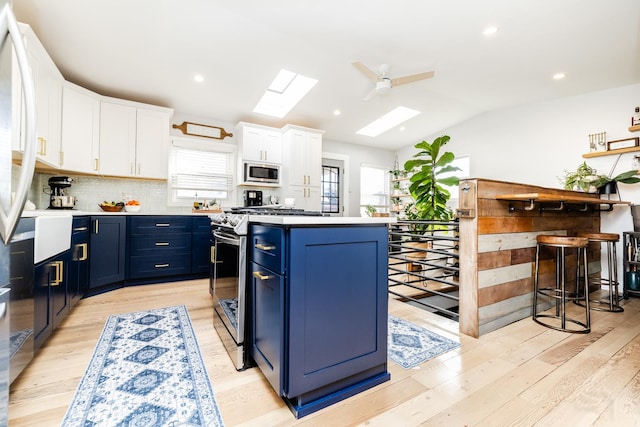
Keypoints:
pixel 50 296
pixel 107 250
pixel 268 324
pixel 79 262
pixel 337 291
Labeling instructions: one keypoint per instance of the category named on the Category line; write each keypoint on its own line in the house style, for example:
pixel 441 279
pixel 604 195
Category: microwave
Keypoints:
pixel 261 173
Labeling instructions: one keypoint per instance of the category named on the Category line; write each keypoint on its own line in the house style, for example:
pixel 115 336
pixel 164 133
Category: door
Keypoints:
pixel 107 250
pixel 333 187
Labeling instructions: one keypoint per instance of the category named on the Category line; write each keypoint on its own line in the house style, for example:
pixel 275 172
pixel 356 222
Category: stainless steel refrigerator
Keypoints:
pixel 14 184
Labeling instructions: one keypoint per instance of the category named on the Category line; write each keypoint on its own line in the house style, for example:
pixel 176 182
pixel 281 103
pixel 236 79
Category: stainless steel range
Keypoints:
pixel 228 284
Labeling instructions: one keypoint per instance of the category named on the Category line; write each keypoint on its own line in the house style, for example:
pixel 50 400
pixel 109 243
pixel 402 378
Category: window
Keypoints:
pixel 374 188
pixel 330 189
pixel 199 168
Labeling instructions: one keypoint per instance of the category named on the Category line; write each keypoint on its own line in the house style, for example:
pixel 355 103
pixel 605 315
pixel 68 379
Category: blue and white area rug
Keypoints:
pixel 146 370
pixel 410 345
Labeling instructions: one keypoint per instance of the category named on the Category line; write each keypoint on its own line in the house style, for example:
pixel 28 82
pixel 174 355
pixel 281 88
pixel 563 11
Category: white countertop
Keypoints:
pixel 319 220
pixel 74 212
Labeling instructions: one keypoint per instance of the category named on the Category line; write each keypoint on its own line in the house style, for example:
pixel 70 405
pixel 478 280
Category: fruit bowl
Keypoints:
pixel 111 208
pixel 132 208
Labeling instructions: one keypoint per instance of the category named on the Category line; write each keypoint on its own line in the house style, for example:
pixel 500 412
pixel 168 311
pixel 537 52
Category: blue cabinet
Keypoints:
pixel 78 278
pixel 107 250
pixel 159 246
pixel 319 307
pixel 201 245
pixel 51 300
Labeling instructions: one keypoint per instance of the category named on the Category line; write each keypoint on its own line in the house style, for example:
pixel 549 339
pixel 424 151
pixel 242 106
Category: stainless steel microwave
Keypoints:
pixel 259 172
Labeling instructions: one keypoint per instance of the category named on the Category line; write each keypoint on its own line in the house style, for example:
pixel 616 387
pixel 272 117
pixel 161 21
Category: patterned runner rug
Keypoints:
pixel 146 370
pixel 410 345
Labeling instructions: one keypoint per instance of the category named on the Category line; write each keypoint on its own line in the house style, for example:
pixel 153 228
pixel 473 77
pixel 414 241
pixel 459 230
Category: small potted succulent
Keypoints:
pixel 581 179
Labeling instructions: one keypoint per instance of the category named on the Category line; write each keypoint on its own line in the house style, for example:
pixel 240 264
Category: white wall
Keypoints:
pixel 358 155
pixel 535 143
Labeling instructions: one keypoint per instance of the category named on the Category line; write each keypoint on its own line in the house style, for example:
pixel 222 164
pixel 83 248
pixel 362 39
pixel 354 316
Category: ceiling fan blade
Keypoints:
pixel 371 75
pixel 412 78
pixel 370 95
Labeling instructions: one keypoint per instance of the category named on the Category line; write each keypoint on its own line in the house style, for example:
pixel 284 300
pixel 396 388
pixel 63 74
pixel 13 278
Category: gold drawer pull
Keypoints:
pixel 264 247
pixel 83 257
pixel 161 265
pixel 162 243
pixel 259 276
pixel 162 224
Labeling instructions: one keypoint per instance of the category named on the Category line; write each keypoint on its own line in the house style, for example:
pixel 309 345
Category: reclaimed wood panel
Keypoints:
pixel 495 287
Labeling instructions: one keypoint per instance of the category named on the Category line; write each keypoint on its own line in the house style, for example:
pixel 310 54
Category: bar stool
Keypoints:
pixel 613 303
pixel 559 321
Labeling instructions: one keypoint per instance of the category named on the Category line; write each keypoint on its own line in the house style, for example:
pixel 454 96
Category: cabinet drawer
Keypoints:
pixel 266 246
pixel 160 224
pixel 157 243
pixel 154 265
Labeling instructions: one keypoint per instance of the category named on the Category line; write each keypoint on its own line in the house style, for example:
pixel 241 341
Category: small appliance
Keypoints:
pixel 262 173
pixel 253 198
pixel 57 197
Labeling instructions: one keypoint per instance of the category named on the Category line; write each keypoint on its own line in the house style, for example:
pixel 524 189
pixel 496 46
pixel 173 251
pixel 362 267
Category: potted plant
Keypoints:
pixel 608 185
pixel 370 210
pixel 580 180
pixel 431 175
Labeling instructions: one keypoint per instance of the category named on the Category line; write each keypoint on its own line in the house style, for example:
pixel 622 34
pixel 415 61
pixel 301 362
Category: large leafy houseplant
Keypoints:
pixel 609 185
pixel 581 179
pixel 432 173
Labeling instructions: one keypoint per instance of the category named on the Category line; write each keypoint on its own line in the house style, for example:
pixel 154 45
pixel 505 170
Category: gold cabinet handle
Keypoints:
pixel 161 224
pixel 95 164
pixel 161 265
pixel 43 146
pixel 260 276
pixel 95 227
pixel 80 229
pixel 85 252
pixel 162 243
pixel 59 265
pixel 212 255
pixel 264 247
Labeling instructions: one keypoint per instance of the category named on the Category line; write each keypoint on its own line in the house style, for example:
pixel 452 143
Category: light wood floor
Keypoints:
pixel 522 374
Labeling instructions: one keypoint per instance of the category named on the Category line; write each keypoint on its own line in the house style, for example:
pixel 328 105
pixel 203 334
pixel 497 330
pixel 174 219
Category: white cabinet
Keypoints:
pixel 80 129
pixel 302 161
pixel 260 143
pixel 152 143
pixel 134 139
pixel 48 83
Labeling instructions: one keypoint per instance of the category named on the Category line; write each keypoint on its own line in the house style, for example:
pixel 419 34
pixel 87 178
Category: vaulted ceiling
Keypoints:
pixel 149 51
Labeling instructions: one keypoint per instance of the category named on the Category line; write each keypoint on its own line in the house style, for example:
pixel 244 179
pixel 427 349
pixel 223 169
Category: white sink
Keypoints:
pixel 53 236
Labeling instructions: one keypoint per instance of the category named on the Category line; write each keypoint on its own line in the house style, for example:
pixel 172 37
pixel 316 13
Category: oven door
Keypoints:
pixel 229 279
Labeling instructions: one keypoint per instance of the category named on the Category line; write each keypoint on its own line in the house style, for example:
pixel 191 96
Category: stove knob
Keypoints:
pixel 233 221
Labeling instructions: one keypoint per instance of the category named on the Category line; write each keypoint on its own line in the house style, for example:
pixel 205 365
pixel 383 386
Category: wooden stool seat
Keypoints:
pixel 558 294
pixel 562 241
pixel 600 237
pixel 612 303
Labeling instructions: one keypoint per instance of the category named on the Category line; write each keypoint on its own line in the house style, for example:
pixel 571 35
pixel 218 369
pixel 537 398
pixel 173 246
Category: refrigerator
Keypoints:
pixel 14 184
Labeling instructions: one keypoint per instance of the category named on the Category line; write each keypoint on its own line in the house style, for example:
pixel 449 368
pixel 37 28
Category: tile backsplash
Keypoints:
pixel 91 191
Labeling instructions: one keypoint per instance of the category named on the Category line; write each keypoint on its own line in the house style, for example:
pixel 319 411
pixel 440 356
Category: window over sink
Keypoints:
pixel 202 168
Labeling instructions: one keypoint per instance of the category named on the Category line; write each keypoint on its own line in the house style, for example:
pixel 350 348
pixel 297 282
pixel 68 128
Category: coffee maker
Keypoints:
pixel 57 198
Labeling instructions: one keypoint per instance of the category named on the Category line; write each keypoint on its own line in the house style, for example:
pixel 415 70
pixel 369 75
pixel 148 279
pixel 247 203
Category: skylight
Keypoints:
pixel 286 90
pixel 392 118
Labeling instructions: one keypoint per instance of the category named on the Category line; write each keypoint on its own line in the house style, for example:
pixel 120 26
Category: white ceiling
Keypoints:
pixel 149 50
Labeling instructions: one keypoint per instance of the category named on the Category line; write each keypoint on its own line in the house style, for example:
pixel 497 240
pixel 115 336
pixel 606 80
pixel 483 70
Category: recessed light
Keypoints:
pixel 392 118
pixel 337 112
pixel 559 76
pixel 489 31
pixel 198 78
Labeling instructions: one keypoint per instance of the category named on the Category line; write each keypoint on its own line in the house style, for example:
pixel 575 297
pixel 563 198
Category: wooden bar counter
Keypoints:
pixel 499 222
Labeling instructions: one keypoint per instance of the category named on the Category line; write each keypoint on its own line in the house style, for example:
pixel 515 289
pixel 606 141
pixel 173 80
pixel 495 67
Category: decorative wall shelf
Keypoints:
pixel 555 202
pixel 611 152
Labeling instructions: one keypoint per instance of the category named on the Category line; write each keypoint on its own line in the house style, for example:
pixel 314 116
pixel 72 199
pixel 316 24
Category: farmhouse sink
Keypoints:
pixel 52 236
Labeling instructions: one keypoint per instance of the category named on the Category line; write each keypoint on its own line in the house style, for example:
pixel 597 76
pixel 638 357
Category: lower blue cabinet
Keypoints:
pixel 51 299
pixel 319 330
pixel 107 250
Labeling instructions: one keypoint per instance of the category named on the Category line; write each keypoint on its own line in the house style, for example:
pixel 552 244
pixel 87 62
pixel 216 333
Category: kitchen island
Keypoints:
pixel 499 222
pixel 318 298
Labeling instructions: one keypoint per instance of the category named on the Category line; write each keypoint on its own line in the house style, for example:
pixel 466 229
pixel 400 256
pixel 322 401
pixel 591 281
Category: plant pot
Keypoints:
pixel 420 250
pixel 609 188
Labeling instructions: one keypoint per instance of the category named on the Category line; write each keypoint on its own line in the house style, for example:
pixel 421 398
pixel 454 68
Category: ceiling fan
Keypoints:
pixel 384 82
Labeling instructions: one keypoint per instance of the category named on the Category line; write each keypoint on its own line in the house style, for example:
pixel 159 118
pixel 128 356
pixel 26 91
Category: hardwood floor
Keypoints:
pixel 522 374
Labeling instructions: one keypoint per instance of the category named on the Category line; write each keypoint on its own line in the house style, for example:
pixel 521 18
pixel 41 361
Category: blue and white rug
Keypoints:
pixel 146 370
pixel 410 345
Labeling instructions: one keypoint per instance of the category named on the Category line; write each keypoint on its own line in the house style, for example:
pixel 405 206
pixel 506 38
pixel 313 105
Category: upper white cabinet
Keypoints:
pixel 134 139
pixel 48 83
pixel 260 143
pixel 80 129
pixel 302 161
